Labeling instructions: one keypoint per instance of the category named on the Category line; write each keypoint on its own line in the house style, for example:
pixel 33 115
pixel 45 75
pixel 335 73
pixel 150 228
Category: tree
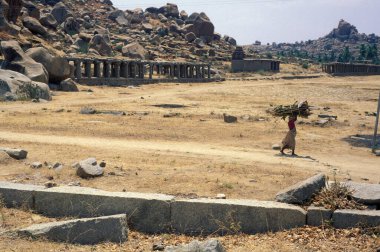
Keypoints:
pixel 345 56
pixel 363 52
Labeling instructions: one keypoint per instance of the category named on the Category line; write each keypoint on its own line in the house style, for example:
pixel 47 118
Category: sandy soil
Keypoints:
pixel 194 153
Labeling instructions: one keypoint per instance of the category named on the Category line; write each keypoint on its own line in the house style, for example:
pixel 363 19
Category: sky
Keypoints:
pixel 276 20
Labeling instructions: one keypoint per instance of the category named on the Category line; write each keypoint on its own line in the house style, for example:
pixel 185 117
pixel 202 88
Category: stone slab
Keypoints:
pixel 368 194
pixel 302 191
pixel 354 218
pixel 18 195
pixel 82 231
pixel 206 216
pixel 318 216
pixel 148 213
pixel 18 154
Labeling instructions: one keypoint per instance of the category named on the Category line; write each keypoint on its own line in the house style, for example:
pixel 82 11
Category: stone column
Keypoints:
pixel 203 72
pixel 97 73
pixel 136 74
pixel 124 69
pixel 87 68
pixel 117 69
pixel 151 71
pixel 143 67
pixel 106 69
pixel 178 71
pixel 78 68
pixel 209 71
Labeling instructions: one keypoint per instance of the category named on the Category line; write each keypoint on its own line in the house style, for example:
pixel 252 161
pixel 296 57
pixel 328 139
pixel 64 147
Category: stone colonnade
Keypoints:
pixel 112 68
pixel 343 68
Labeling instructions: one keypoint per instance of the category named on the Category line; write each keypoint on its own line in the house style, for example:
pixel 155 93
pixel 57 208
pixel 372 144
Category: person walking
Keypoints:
pixel 289 141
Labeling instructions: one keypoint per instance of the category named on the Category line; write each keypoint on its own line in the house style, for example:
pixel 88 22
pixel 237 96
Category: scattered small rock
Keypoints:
pixel 229 119
pixel 89 168
pixel 221 196
pixel 50 184
pixel 36 165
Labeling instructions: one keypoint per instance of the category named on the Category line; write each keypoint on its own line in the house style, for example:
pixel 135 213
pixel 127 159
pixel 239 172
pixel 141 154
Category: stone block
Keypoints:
pixel 303 191
pixel 206 216
pixel 317 216
pixel 82 231
pixel 368 194
pixel 18 195
pixel 148 213
pixel 354 218
pixel 15 153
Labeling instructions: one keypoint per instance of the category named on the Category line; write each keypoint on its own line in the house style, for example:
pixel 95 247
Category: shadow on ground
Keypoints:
pixel 169 106
pixel 363 141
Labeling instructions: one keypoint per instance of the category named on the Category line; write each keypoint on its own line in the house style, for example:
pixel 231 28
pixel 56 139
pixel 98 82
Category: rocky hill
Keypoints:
pixel 97 28
pixel 343 43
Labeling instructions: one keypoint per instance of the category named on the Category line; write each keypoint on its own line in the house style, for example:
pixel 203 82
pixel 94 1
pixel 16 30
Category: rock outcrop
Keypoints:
pixel 57 67
pixel 16 60
pixel 134 51
pixel 16 86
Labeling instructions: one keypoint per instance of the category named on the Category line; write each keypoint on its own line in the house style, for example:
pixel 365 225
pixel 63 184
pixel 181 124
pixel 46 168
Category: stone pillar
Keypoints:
pixel 124 69
pixel 117 69
pixel 87 68
pixel 106 69
pixel 78 68
pixel 136 73
pixel 203 72
pixel 209 71
pixel 151 71
pixel 97 73
pixel 178 71
pixel 142 70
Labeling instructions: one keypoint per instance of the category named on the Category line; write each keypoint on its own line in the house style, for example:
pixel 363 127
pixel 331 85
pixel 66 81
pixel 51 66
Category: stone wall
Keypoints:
pixel 254 65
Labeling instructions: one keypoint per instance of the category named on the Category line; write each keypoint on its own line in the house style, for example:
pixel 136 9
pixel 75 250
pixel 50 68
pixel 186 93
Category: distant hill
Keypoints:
pixel 342 44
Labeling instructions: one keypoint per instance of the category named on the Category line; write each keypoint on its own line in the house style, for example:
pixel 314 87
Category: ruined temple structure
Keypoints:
pixel 115 72
pixel 350 69
pixel 240 64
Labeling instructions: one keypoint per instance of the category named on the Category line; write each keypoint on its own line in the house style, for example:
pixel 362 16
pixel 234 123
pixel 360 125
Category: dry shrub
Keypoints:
pixel 337 196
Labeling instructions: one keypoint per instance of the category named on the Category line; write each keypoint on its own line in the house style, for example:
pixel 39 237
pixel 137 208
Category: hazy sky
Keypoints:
pixel 276 20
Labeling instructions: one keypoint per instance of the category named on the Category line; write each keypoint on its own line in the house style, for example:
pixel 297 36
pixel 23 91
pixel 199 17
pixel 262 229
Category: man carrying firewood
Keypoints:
pixel 289 141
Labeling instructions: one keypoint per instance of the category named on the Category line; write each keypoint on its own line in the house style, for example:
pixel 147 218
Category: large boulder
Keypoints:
pixel 16 60
pixel 201 26
pixel 68 85
pixel 134 51
pixel 4 25
pixel 100 44
pixel 89 168
pixel 57 67
pixel 136 16
pixel 16 86
pixel 49 21
pixel 61 12
pixel 18 154
pixel 302 191
pixel 34 26
pixel 119 17
pixel 14 9
pixel 71 26
pixel 32 9
pixel 169 10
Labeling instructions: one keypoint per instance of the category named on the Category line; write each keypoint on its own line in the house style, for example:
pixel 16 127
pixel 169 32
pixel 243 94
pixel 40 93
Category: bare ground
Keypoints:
pixel 194 153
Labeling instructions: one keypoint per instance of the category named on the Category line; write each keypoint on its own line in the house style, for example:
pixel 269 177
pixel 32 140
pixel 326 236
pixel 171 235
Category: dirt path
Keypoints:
pixel 188 148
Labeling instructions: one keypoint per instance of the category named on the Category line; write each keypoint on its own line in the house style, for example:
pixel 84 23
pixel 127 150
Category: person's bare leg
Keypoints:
pixel 282 150
pixel 293 152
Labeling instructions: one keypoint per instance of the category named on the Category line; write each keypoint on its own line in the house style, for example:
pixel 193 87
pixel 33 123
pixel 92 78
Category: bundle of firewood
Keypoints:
pixel 301 109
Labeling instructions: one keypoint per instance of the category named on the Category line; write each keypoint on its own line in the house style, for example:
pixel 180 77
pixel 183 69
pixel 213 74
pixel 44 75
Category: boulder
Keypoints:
pixel 89 168
pixel 16 86
pixel 134 51
pixel 169 10
pixel 99 43
pixel 183 15
pixel 229 119
pixel 13 10
pixel 18 154
pixel 4 25
pixel 32 9
pixel 71 26
pixel 49 21
pixel 190 37
pixel 68 85
pixel 152 10
pixel 61 12
pixel 212 245
pixel 302 191
pixel 232 41
pixel 201 26
pixel 16 60
pixel 148 28
pixel 34 26
pixel 112 228
pixel 57 67
pixel 136 16
pixel 119 17
pixel 368 194
pixel 344 31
